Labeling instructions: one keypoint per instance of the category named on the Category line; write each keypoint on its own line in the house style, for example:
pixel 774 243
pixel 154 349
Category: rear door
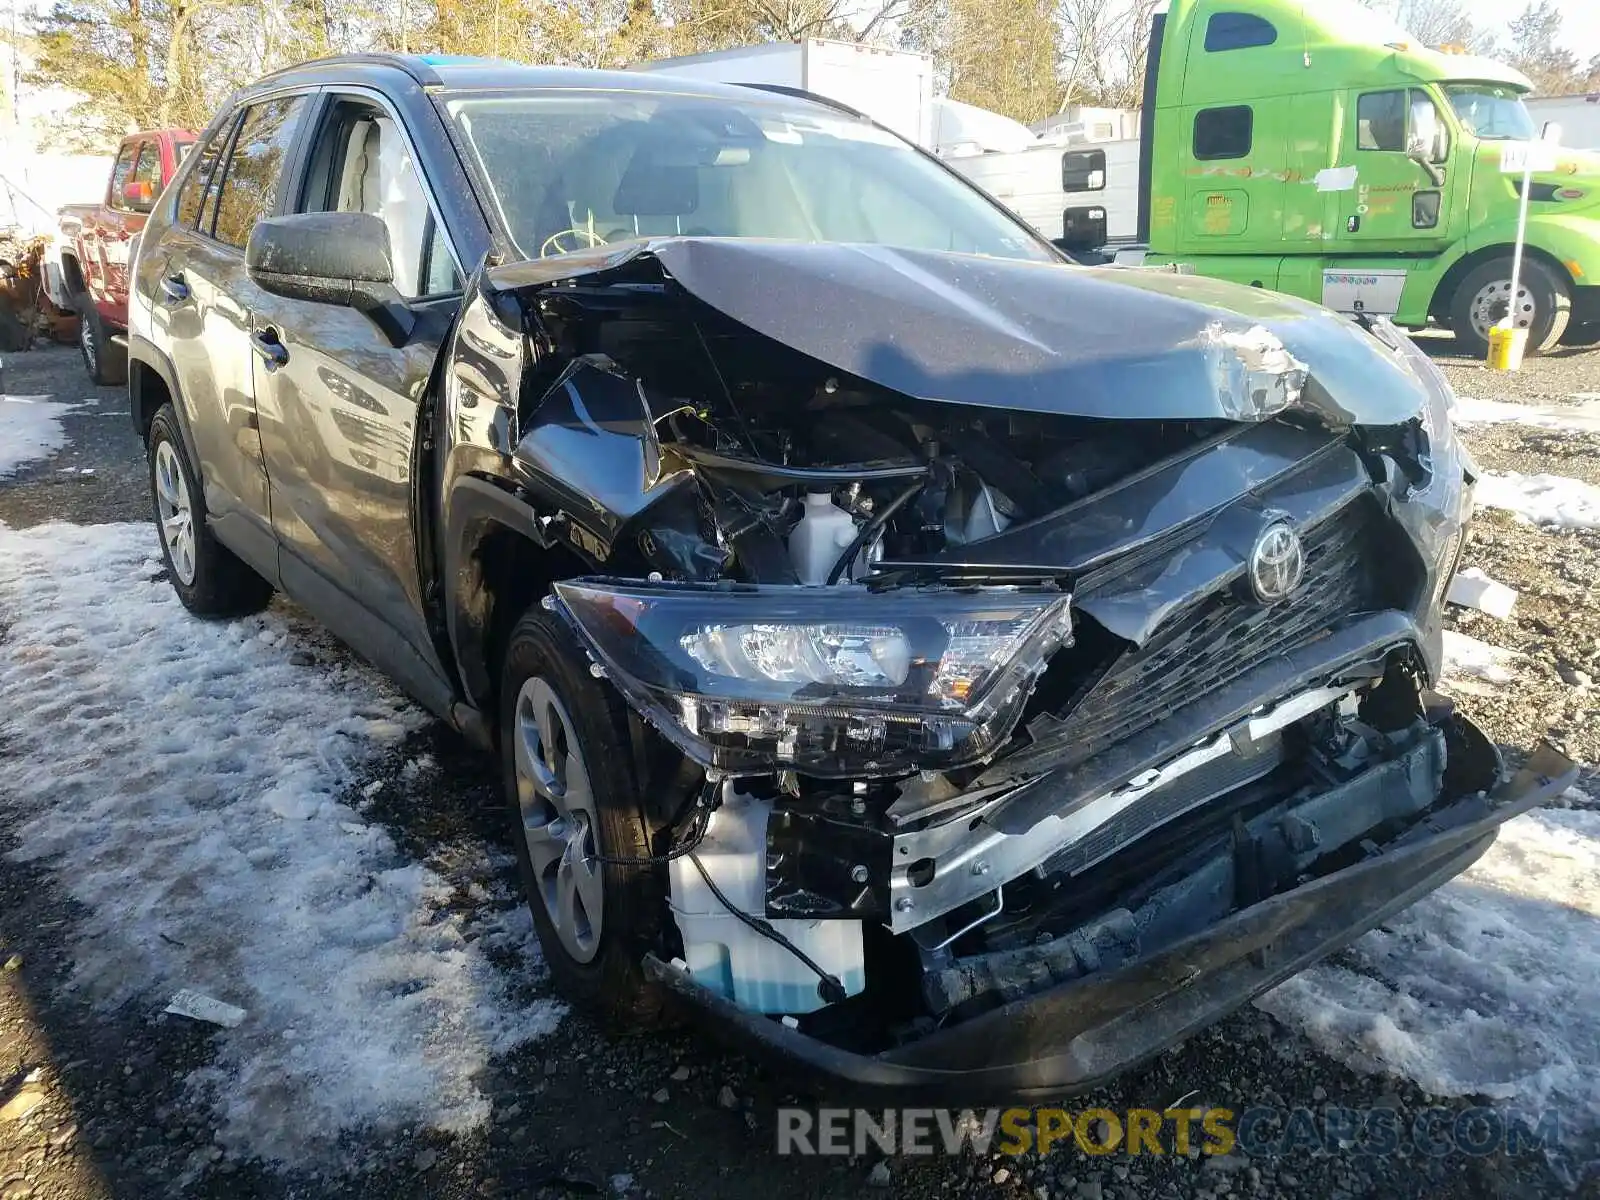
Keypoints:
pixel 204 301
pixel 339 397
pixel 103 257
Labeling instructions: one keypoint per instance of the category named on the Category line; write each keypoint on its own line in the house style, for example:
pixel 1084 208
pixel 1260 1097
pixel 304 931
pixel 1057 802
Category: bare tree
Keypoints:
pixel 1104 45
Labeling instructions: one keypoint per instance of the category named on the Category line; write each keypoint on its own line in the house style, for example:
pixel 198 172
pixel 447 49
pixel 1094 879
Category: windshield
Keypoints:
pixel 572 170
pixel 1493 112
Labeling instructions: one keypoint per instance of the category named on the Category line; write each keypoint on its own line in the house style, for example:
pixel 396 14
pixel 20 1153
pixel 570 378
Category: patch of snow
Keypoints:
pixel 1554 501
pixel 1468 658
pixel 1486 986
pixel 1583 417
pixel 185 779
pixel 30 428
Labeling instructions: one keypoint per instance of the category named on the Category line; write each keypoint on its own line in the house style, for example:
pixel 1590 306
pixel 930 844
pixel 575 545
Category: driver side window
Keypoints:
pixel 361 162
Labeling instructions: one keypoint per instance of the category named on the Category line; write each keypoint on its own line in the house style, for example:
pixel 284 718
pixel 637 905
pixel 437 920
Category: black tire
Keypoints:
pixel 222 584
pixel 1549 293
pixel 611 985
pixel 1586 334
pixel 106 363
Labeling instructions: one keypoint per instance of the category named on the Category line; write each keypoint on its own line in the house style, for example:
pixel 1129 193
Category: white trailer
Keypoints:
pixel 892 87
pixel 1081 195
pixel 1578 116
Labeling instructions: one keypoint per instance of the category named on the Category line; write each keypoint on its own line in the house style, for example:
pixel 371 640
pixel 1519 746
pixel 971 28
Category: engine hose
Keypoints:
pixel 872 528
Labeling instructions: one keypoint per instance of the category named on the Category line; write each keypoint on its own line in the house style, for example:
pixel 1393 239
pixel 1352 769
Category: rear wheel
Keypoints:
pixel 209 578
pixel 106 363
pixel 574 794
pixel 1542 305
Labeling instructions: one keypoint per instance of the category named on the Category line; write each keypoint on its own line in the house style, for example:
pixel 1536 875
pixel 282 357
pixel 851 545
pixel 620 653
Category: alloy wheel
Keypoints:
pixel 174 512
pixel 1489 306
pixel 86 343
pixel 558 818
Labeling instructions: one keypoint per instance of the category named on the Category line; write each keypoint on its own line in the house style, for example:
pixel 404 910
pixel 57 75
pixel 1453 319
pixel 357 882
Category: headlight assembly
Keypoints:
pixel 830 681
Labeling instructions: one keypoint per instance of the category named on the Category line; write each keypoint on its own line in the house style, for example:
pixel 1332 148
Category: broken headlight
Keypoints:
pixel 829 681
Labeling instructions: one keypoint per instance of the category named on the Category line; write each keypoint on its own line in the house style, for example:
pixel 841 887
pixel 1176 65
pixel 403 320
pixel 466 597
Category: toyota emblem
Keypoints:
pixel 1277 563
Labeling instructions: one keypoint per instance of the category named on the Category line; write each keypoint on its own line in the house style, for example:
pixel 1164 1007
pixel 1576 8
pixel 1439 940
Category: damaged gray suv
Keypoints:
pixel 953 671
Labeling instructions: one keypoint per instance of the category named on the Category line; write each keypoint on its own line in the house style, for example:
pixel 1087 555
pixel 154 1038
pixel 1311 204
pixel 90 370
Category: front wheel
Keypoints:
pixel 1542 305
pixel 574 796
pixel 209 578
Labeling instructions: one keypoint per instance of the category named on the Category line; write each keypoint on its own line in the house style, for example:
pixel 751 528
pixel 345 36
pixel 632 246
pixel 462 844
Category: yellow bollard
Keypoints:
pixel 1506 347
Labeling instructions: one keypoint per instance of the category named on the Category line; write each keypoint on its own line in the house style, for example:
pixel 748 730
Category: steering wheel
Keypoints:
pixel 556 242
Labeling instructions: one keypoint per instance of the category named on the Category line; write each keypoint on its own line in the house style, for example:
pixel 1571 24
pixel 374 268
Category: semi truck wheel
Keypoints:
pixel 106 363
pixel 1542 306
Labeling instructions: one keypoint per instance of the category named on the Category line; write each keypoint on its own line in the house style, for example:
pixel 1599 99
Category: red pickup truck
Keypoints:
pixel 101 240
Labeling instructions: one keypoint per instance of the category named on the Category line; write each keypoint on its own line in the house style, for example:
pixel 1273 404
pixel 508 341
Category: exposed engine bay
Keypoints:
pixel 995 670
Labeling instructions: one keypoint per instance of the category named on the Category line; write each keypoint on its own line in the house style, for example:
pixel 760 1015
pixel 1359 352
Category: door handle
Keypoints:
pixel 273 352
pixel 174 289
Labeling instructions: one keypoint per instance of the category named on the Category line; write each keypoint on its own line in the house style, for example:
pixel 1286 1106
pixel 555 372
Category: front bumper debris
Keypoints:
pixel 1076 1035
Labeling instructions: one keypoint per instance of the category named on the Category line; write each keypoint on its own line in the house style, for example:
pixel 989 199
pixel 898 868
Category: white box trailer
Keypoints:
pixel 893 87
pixel 1080 196
pixel 1578 116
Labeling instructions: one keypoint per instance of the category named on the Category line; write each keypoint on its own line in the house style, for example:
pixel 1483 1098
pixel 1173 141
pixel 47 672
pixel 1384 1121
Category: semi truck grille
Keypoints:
pixel 1220 637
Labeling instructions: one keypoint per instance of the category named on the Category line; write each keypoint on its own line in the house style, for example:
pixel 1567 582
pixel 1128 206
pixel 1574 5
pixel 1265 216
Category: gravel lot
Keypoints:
pixel 97 1099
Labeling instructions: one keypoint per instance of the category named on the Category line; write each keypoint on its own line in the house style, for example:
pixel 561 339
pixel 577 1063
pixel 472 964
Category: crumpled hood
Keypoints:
pixel 1036 337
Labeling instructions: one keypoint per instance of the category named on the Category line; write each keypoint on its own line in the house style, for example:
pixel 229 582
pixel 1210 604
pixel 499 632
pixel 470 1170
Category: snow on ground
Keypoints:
pixel 1470 665
pixel 1554 501
pixel 1483 988
pixel 1582 417
pixel 184 778
pixel 30 428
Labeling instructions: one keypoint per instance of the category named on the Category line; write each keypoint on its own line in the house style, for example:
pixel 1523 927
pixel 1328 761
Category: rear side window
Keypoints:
pixel 196 182
pixel 1083 171
pixel 255 165
pixel 121 171
pixel 1238 31
pixel 1223 132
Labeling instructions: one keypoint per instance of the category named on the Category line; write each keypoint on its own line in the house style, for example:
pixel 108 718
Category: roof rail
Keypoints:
pixel 782 89
pixel 413 65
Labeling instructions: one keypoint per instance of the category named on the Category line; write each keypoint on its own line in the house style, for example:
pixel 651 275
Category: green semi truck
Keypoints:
pixel 1317 149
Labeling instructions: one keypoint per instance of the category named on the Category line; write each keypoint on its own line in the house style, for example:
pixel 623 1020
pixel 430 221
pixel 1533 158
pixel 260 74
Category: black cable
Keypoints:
pixel 871 528
pixel 829 987
pixel 696 836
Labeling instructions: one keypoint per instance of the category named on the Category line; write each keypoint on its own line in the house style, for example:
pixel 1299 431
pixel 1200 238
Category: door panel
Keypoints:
pixel 1394 204
pixel 205 300
pixel 338 400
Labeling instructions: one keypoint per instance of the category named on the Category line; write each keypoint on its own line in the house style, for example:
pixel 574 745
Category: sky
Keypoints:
pixel 1580 21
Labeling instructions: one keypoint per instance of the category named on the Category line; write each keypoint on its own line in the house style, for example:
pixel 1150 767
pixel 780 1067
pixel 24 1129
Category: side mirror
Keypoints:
pixel 325 257
pixel 1551 133
pixel 139 196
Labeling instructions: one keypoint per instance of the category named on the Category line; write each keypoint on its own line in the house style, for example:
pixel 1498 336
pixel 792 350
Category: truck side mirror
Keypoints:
pixel 1551 133
pixel 326 257
pixel 139 196
pixel 330 258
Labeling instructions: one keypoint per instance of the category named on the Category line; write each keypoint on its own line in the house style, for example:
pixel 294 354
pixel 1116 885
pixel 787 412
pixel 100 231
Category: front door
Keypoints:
pixel 1394 179
pixel 339 393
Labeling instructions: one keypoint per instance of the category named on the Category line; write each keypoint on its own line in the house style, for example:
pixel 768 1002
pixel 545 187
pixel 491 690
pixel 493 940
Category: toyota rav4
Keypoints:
pixel 951 669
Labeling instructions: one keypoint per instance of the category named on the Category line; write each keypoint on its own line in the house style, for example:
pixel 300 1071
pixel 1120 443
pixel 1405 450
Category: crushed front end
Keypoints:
pixel 1041 714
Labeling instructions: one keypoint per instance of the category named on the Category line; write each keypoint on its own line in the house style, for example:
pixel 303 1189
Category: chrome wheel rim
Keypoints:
pixel 1490 305
pixel 174 512
pixel 86 342
pixel 558 819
